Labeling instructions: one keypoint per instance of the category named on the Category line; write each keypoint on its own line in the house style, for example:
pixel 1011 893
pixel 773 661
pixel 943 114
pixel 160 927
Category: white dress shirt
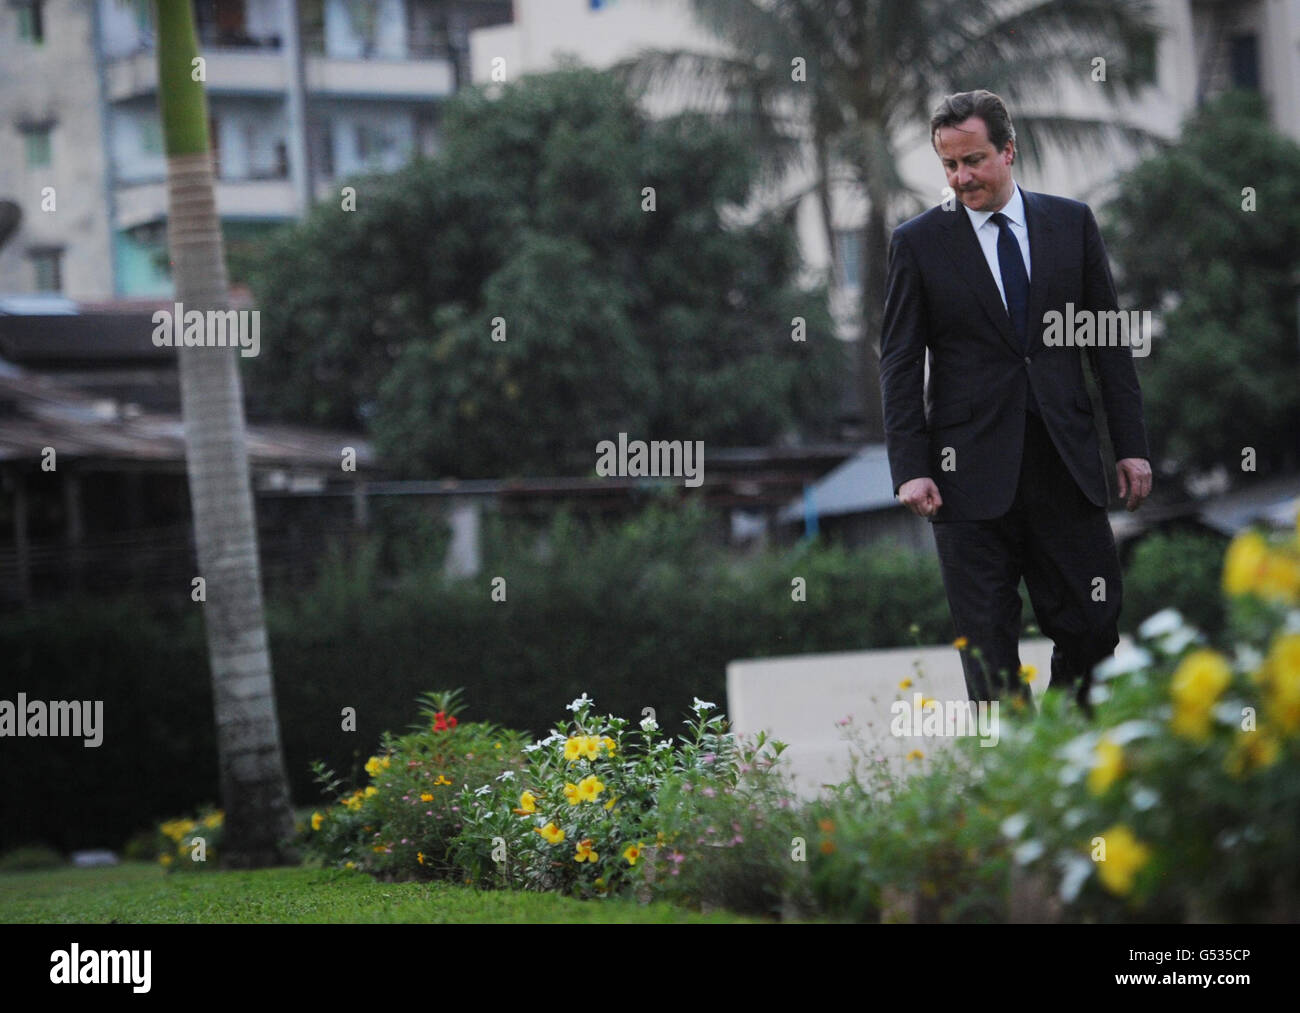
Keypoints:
pixel 987 233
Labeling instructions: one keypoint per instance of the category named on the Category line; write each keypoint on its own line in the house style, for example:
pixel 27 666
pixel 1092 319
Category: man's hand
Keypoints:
pixel 1134 477
pixel 921 496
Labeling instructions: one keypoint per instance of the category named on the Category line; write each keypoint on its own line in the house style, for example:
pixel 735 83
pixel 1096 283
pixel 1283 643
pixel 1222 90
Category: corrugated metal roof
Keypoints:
pixel 37 411
pixel 860 484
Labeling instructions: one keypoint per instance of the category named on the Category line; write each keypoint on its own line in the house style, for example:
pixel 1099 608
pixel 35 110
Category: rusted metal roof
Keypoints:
pixel 38 411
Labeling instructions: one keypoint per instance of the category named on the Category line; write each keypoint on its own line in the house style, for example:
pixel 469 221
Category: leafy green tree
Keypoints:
pixel 1225 373
pixel 671 323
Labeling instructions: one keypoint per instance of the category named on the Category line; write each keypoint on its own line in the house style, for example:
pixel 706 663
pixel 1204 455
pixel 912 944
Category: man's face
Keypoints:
pixel 979 174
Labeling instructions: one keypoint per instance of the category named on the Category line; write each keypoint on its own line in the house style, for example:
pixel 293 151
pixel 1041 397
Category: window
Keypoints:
pixel 37 142
pixel 47 266
pixel 1244 50
pixel 151 136
pixel 848 249
pixel 31 22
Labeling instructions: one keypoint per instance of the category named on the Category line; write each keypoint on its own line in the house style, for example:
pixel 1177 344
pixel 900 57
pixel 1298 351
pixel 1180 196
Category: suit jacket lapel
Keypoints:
pixel 1040 258
pixel 967 257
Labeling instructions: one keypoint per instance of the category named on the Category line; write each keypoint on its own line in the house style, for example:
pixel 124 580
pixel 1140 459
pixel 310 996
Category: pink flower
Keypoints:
pixel 708 792
pixel 708 758
pixel 738 839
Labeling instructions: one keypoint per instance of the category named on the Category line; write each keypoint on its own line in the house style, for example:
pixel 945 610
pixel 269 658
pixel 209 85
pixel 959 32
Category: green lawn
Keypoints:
pixel 137 892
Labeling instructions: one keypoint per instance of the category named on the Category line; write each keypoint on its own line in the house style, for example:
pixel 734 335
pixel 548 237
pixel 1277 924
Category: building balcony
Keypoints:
pixel 146 203
pixel 266 72
pixel 416 79
pixel 229 71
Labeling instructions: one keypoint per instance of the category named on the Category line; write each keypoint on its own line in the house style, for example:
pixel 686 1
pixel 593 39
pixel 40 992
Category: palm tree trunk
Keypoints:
pixel 254 786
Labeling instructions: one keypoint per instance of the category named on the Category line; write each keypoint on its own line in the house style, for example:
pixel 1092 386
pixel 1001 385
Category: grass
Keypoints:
pixel 143 893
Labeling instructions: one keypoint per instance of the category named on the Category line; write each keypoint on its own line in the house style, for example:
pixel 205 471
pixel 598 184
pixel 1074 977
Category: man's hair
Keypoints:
pixel 958 108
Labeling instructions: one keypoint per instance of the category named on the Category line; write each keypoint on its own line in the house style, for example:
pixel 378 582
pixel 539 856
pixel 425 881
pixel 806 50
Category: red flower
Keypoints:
pixel 452 722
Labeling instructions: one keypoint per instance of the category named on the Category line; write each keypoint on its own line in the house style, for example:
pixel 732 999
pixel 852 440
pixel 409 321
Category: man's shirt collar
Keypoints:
pixel 1015 210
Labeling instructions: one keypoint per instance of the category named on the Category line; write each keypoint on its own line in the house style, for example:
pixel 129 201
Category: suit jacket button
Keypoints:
pixel 1026 360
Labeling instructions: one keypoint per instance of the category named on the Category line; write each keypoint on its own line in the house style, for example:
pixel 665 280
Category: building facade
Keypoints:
pixel 301 96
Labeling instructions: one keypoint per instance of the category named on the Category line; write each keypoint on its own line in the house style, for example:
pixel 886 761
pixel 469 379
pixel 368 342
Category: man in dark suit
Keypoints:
pixel 998 447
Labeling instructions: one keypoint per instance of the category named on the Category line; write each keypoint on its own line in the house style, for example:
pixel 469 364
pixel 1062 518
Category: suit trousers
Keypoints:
pixel 1061 544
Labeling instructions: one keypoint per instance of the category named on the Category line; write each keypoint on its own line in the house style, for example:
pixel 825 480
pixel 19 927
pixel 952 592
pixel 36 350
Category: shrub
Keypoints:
pixel 30 856
pixel 401 824
pixel 188 844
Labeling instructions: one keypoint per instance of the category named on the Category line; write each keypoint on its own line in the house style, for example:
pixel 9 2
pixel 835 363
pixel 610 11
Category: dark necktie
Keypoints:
pixel 1015 282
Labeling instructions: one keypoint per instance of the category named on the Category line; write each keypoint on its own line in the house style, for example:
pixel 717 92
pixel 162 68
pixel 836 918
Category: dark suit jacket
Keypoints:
pixel 941 300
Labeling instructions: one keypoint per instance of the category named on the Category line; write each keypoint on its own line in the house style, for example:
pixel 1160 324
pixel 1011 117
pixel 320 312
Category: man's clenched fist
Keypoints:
pixel 921 496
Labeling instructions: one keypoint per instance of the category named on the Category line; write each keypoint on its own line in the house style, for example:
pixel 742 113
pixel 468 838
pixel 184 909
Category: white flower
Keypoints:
pixel 1143 798
pixel 700 705
pixel 649 725
pixel 533 748
pixel 1072 817
pixel 1247 658
pixel 1130 659
pixel 1014 826
pixel 1076 870
pixel 484 790
pixel 580 702
pixel 506 775
pixel 1164 622
pixel 1098 694
pixel 1029 851
pixel 1176 641
pixel 1292 621
pixel 1126 731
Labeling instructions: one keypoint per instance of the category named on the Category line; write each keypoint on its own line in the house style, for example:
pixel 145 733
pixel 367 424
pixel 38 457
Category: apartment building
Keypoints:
pixel 301 95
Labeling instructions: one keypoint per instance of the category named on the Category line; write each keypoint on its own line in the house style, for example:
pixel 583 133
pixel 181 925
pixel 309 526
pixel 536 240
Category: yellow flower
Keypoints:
pixel 214 820
pixel 905 684
pixel 927 701
pixel 609 744
pixel 600 884
pixel 442 779
pixel 1244 562
pixel 590 746
pixel 1125 855
pixel 426 796
pixel 915 754
pixel 960 643
pixel 379 848
pixel 354 801
pixel 1028 672
pixel 583 852
pixel 349 865
pixel 165 860
pixel 610 803
pixel 571 793
pixel 1280 676
pixel 1197 683
pixel 659 838
pixel 551 833
pixel 419 857
pixel 527 803
pixel 1108 767
pixel 589 788
pixel 1251 751
pixel 316 820
pixel 375 765
pixel 573 747
pixel 632 852
pixel 371 790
